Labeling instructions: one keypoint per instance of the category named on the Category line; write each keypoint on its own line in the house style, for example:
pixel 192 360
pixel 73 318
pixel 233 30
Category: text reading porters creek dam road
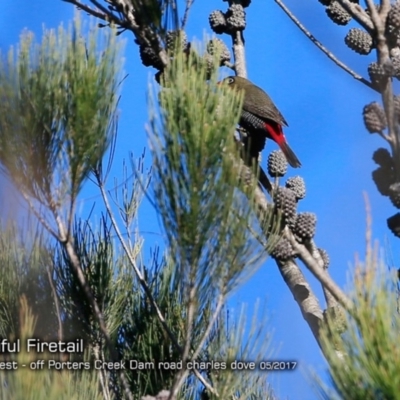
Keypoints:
pixel 139 365
pixel 38 347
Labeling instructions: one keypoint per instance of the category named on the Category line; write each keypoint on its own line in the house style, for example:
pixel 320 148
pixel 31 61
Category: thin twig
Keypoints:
pixel 388 138
pixel 102 8
pixel 189 319
pixel 322 47
pixel 108 17
pixel 189 4
pixel 229 65
pixel 139 275
pixel 71 210
pixel 56 303
pixel 39 217
pixel 377 23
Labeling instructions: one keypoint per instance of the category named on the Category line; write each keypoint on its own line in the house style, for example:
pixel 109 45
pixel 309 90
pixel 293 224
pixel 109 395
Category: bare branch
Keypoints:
pixel 379 20
pixel 294 278
pixel 303 295
pixel 189 4
pixel 322 47
pixel 319 272
pixel 384 9
pixel 239 54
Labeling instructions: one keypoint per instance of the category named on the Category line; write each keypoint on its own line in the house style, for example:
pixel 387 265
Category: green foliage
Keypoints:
pixel 25 259
pixel 104 276
pixel 197 176
pixel 57 118
pixel 207 210
pixel 144 337
pixel 365 359
pixel 238 339
pixel 135 331
pixel 29 384
pixel 57 110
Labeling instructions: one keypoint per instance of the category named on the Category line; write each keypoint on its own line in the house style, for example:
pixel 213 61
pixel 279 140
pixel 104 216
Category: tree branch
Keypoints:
pixel 189 4
pixel 39 216
pixel 358 13
pixel 322 47
pixel 239 54
pixel 104 16
pixel 303 295
pixel 128 23
pixel 319 272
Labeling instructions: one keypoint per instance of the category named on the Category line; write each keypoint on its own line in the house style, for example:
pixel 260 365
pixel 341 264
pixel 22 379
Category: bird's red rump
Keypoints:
pixel 275 132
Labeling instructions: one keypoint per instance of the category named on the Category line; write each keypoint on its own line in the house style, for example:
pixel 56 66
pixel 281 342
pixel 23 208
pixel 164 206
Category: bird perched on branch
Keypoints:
pixel 261 119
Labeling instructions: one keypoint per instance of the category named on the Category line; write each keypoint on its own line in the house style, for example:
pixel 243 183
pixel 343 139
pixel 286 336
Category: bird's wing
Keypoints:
pixel 265 108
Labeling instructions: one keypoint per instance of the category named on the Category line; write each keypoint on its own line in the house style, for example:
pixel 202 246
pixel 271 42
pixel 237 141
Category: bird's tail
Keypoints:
pixel 274 131
pixel 289 154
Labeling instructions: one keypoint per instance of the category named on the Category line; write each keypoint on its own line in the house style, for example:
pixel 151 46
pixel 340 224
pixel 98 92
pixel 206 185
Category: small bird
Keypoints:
pixel 261 119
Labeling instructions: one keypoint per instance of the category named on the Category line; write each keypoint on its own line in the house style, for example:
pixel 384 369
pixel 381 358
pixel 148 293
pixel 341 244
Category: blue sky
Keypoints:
pixel 323 106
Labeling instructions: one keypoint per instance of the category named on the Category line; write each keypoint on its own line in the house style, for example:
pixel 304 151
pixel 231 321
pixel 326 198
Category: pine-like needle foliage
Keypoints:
pixel 197 176
pixel 234 339
pixel 362 347
pixel 205 206
pixel 25 259
pixel 26 383
pixel 57 110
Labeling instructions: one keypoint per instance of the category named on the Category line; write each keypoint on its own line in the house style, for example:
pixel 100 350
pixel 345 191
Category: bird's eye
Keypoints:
pixel 231 80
